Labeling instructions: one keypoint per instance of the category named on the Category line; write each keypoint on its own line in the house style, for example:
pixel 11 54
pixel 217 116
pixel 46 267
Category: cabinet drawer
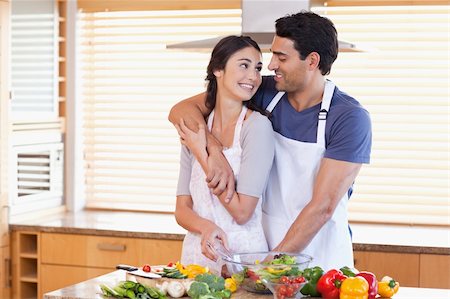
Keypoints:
pixel 89 251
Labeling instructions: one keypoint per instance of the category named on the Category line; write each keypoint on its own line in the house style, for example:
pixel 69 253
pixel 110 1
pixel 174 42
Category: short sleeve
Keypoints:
pixel 184 176
pixel 258 148
pixel 350 137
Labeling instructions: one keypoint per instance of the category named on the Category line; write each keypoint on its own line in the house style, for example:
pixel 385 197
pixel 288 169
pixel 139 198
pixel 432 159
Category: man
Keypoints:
pixel 322 138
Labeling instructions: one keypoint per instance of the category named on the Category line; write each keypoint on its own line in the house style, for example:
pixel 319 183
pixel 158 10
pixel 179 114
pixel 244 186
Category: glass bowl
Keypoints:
pixel 270 271
pixel 286 289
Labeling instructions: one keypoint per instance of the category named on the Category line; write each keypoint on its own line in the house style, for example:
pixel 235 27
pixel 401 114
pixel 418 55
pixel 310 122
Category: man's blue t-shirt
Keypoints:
pixel 348 133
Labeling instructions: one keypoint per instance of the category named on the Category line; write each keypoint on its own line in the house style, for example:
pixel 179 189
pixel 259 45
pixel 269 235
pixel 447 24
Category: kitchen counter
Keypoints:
pixel 366 237
pixel 90 290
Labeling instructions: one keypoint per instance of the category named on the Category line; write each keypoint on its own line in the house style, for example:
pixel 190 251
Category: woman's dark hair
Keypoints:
pixel 311 33
pixel 224 49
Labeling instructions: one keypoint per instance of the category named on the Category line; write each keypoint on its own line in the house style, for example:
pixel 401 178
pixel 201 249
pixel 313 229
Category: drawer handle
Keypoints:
pixel 111 247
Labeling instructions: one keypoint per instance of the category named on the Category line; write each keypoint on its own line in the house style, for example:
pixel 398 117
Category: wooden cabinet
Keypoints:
pixel 70 258
pixel 403 267
pixel 56 276
pixel 434 271
pixel 25 267
pixel 411 270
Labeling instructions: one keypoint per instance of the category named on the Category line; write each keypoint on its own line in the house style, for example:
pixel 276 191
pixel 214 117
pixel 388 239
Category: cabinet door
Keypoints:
pixel 89 251
pixel 434 271
pixel 160 252
pixel 403 267
pixel 54 277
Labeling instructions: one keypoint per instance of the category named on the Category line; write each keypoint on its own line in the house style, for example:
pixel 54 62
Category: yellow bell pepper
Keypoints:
pixel 387 287
pixel 354 288
pixel 230 284
pixel 191 270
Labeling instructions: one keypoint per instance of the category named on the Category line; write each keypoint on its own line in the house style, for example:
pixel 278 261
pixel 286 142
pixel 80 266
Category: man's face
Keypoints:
pixel 290 71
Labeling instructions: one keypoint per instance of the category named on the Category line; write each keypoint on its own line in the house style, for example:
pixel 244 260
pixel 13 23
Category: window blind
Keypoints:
pixel 130 81
pixel 403 80
pixel 34 54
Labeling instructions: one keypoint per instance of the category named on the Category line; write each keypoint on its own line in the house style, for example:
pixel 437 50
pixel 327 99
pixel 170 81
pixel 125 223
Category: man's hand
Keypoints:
pixel 195 141
pixel 220 176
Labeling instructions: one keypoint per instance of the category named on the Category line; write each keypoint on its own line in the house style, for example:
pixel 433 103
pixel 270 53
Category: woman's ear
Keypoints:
pixel 218 73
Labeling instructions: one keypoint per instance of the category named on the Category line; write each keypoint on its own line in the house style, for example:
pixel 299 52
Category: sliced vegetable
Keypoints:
pixel 230 284
pixel 283 259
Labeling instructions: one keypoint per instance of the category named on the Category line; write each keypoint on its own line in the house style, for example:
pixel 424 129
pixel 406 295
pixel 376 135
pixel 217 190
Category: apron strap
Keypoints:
pixel 275 101
pixel 210 120
pixel 323 113
pixel 237 129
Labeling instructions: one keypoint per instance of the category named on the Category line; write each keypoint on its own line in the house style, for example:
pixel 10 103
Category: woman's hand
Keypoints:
pixel 209 236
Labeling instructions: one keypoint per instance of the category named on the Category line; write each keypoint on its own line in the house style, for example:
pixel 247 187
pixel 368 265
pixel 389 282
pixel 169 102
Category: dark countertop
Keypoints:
pixel 366 237
pixel 90 290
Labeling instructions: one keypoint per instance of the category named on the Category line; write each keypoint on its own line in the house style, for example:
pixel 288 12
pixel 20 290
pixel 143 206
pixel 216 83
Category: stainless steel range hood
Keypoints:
pixel 258 22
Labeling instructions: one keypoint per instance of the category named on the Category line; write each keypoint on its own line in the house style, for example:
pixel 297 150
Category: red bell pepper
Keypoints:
pixel 330 283
pixel 373 283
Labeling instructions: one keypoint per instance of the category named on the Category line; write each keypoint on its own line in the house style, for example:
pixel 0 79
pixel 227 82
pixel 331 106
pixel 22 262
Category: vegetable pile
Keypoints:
pixel 281 275
pixel 177 281
pixel 132 290
pixel 347 283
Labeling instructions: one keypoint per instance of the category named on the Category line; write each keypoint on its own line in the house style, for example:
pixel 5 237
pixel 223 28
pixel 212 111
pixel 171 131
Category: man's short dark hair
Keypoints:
pixel 310 33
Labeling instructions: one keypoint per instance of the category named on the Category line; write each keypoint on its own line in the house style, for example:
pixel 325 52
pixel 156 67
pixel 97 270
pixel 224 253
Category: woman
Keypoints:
pixel 233 76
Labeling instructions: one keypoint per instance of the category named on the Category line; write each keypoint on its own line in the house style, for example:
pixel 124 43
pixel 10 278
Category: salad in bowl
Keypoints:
pixel 263 272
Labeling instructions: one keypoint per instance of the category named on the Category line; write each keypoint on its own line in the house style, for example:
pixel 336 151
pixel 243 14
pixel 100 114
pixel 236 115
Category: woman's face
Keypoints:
pixel 242 75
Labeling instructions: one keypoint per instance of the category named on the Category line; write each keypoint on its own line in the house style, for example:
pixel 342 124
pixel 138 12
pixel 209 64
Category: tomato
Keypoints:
pixel 146 268
pixel 289 291
pixel 252 275
pixel 299 279
pixel 284 280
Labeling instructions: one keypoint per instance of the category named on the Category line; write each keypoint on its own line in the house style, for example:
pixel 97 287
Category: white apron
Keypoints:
pixel 241 238
pixel 290 189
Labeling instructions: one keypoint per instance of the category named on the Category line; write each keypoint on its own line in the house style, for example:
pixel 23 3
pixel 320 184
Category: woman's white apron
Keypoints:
pixel 290 189
pixel 241 238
